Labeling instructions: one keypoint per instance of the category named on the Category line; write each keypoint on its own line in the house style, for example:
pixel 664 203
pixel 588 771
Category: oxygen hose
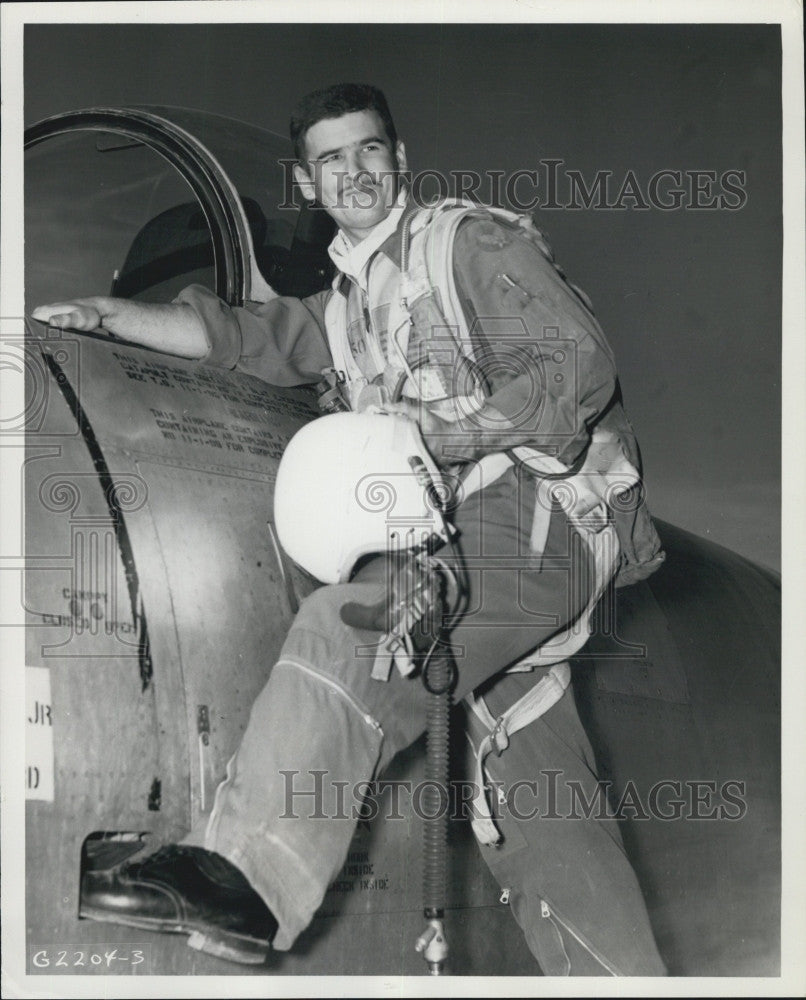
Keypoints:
pixel 439 676
pixel 438 679
pixel 435 804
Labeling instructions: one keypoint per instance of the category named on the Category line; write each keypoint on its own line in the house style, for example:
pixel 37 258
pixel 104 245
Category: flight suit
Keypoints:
pixel 570 884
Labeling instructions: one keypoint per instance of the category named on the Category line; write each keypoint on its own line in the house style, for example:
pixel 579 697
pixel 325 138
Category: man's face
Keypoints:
pixel 352 170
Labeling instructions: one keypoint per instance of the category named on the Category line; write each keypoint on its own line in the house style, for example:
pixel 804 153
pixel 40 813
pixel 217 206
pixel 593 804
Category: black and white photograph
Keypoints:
pixel 402 491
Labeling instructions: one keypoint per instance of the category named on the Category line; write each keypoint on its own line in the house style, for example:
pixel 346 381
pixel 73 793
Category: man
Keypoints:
pixel 541 396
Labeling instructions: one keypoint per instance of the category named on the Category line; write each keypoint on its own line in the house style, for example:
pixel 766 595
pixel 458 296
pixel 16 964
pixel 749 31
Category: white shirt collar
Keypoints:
pixel 352 259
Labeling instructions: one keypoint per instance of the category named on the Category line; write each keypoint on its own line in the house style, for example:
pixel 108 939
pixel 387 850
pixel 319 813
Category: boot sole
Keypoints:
pixel 210 940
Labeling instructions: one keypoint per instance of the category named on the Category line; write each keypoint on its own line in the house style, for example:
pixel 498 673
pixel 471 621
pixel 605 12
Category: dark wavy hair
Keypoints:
pixel 333 102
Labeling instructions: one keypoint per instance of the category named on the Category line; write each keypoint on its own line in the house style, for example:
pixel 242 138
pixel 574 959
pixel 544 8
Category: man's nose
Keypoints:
pixel 357 170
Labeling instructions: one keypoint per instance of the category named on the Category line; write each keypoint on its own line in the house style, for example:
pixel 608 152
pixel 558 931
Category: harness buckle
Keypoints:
pixel 499 737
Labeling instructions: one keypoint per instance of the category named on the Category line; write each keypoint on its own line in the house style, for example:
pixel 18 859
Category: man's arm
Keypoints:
pixel 282 341
pixel 172 328
pixel 548 369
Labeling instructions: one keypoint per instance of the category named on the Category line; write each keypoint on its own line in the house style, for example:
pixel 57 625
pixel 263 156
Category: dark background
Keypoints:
pixel 690 299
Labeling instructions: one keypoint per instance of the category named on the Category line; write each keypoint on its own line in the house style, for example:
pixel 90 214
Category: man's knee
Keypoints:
pixel 321 639
pixel 318 609
pixel 321 610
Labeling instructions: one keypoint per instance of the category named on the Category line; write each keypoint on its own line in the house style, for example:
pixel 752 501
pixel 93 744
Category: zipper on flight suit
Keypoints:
pixel 548 912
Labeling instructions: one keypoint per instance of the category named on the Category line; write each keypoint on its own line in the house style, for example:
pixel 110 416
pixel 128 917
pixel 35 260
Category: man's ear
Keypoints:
pixel 400 154
pixel 305 182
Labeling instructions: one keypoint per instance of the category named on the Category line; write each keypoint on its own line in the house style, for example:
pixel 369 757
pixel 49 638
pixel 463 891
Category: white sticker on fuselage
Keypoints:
pixel 38 735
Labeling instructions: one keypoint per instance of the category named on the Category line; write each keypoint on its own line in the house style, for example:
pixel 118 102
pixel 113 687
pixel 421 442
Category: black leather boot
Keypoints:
pixel 184 890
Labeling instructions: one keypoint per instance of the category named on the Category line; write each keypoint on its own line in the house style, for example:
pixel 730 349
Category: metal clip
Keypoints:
pixel 500 736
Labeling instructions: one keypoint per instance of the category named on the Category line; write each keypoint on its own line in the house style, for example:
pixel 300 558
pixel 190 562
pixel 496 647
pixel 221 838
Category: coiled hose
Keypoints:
pixel 438 679
pixel 439 676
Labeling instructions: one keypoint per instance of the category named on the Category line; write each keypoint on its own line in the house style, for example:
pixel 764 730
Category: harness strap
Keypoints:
pixel 604 548
pixel 546 693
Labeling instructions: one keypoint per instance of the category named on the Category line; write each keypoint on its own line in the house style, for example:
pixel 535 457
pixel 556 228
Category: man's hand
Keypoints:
pixel 79 314
pixel 173 328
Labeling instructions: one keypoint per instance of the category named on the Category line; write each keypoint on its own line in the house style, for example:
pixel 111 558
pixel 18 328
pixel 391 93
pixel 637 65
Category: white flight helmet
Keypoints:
pixel 350 484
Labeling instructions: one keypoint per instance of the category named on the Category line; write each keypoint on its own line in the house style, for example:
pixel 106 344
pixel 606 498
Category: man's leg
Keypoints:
pixel 571 887
pixel 323 725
